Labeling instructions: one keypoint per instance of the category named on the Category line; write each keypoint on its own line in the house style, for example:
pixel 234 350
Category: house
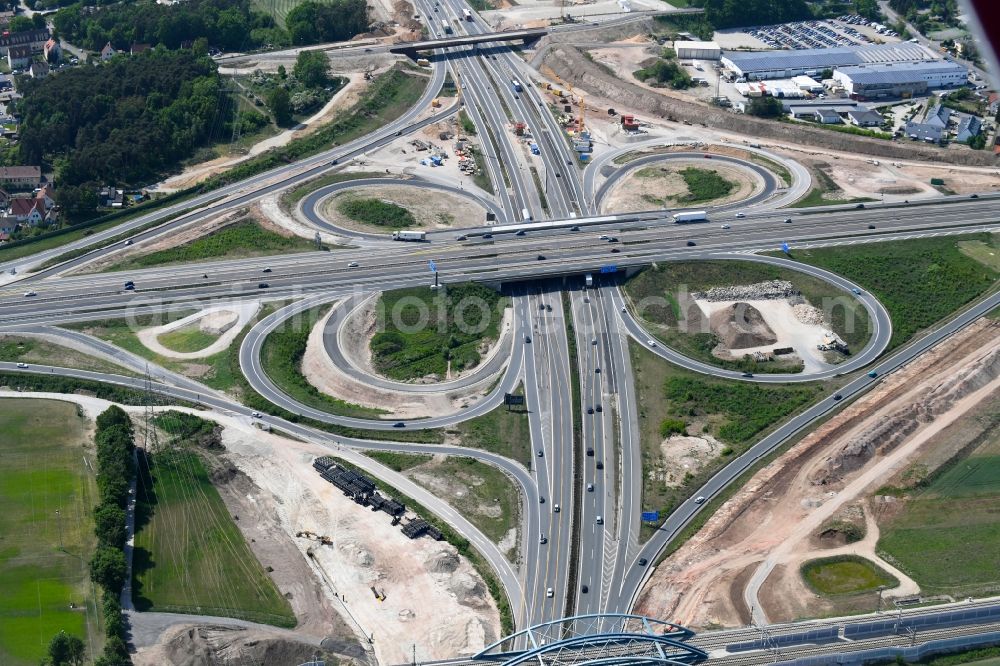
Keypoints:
pixel 52 51
pixel 864 118
pixel 8 225
pixel 45 195
pixel 924 132
pixel 110 197
pixel 34 39
pixel 18 56
pixel 968 127
pixel 938 117
pixel 38 70
pixel 827 116
pixel 21 176
pixel 136 49
pixel 108 52
pixel 4 236
pixel 27 210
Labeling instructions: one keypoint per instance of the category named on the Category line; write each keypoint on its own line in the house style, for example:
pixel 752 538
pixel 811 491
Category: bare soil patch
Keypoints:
pixel 657 186
pixel 684 454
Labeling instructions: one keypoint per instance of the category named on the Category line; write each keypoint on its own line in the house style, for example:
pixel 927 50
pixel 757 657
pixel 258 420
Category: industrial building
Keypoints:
pixel 754 65
pixel 904 79
pixel 698 50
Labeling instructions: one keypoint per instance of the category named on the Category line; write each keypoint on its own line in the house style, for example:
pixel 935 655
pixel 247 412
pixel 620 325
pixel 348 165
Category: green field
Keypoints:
pixel 845 574
pixel 704 185
pixel 421 331
pixel 376 212
pixel 500 431
pixel 47 493
pixel 948 535
pixel 189 555
pixel 239 240
pixel 737 414
pixel 187 338
pixel 654 293
pixel 919 281
pixel 281 359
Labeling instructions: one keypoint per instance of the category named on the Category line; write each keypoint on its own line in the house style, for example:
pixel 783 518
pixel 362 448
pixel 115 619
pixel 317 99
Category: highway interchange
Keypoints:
pixel 586 557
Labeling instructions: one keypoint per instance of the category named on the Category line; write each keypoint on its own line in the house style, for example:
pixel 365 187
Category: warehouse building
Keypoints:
pixel 897 80
pixel 698 50
pixel 754 65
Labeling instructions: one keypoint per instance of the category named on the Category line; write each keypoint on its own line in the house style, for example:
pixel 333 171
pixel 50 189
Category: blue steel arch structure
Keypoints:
pixel 605 639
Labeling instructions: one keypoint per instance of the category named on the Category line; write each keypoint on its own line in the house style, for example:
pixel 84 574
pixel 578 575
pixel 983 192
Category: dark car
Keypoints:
pixel 643 561
pixel 599 408
pixel 262 285
pixel 266 270
pixel 747 374
pixel 527 339
pixel 615 250
pixel 462 238
pixel 487 236
pixel 590 452
pixel 597 371
pixel 398 424
pixel 838 397
pixel 590 410
pixel 871 226
pixel 973 196
pixel 691 243
pixel 520 232
pixel 861 205
pixel 584 589
pixel 541 257
pixel 574 228
pixel 540 453
pixel 600 464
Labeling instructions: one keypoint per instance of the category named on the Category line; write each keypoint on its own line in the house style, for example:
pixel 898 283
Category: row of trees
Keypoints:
pixel 312 70
pixel 115 469
pixel 738 13
pixel 232 25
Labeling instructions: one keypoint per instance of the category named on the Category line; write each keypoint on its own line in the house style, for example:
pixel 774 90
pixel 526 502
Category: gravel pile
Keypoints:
pixel 772 289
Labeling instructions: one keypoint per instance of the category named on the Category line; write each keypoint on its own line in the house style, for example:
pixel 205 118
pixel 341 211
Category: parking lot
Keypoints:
pixel 847 30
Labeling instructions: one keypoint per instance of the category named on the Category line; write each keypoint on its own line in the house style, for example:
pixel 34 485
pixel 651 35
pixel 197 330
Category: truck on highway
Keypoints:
pixel 466 14
pixel 692 216
pixel 516 86
pixel 446 27
pixel 409 235
pixel 525 215
pixel 588 280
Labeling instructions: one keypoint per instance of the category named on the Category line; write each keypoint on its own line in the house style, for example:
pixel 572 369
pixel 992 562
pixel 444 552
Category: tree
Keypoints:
pixel 766 107
pixel 114 415
pixel 107 569
pixel 280 105
pixel 282 74
pixel 109 525
pixel 311 22
pixel 65 650
pixel 20 24
pixel 312 69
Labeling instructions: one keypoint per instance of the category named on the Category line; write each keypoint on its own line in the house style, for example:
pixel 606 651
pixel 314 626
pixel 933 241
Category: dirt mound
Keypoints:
pixel 741 326
pixel 221 646
pixel 772 289
pixel 886 435
pixel 444 561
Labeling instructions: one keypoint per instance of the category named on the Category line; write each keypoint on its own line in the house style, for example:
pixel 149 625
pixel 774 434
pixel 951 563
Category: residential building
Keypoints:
pixel 38 70
pixel 136 49
pixel 697 50
pixel 108 52
pixel 27 210
pixel 33 39
pixel 924 132
pixel 754 65
pixel 827 116
pixel 4 199
pixel 968 127
pixel 52 51
pixel 45 195
pixel 8 225
pixel 110 197
pixel 864 118
pixel 938 117
pixel 899 80
pixel 21 176
pixel 18 56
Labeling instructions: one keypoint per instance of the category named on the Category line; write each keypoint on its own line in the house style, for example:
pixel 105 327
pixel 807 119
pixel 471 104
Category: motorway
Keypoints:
pixel 591 473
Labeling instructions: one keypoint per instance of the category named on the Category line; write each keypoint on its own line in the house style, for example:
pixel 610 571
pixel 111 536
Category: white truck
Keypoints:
pixel 692 216
pixel 525 215
pixel 588 280
pixel 409 235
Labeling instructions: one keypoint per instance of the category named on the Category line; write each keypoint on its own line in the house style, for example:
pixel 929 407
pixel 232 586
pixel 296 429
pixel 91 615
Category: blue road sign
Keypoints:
pixel 785 248
pixel 433 266
pixel 650 516
pixel 609 269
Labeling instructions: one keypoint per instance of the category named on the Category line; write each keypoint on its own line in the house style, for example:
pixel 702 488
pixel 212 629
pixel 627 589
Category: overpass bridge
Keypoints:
pixel 526 36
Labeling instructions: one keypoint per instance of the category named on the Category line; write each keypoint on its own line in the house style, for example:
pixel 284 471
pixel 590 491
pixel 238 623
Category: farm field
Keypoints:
pixel 947 536
pixel 402 350
pixel 189 555
pixel 919 281
pixel 846 574
pixel 47 493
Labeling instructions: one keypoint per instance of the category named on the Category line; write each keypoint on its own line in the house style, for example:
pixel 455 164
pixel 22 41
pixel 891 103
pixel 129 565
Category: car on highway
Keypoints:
pixel 555 508
pixel 548 307
pixel 613 239
pixel 542 539
pixel 353 264
pixel 520 232
pixel 603 237
pixel 598 408
pixel 740 215
pixel 593 341
pixel 597 371
pixel 462 237
pixel 615 250
pixel 856 291
pixel 541 257
pixel 871 226
pixel 527 339
pixel 256 415
pixel 541 500
pixel 726 226
pixel 642 562
pixel 873 374
pixel 599 520
pixel 266 270
pixel 129 286
pixel 837 396
pixel 788 220
pixel 584 589
pixel 549 592
pixel 860 205
pixel 260 285
pixel 973 196
pixel 541 453
pixel 590 410
pixel 700 499
pixel 651 343
pixel 624 309
pixel 22 365
pixel 691 243
pixel 487 236
pixel 590 487
pixel 29 294
pixel 600 464
pixel 590 452
pixel 574 228
pixel 398 424
pixel 128 242
pixel 747 374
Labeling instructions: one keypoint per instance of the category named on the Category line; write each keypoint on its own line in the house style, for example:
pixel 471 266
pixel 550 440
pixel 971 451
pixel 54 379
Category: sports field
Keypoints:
pixel 948 536
pixel 47 492
pixel 189 555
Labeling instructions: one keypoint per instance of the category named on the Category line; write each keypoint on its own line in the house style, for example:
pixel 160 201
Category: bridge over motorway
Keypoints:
pixel 525 36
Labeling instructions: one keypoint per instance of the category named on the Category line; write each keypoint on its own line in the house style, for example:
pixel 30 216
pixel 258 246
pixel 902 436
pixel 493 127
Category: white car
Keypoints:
pixel 700 499
pixel 603 237
pixel 740 215
pixel 725 226
pixel 600 520
pixel 255 415
pixel 651 343
pixel 549 593
pixel 353 264
pixel 29 294
pixel 22 365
